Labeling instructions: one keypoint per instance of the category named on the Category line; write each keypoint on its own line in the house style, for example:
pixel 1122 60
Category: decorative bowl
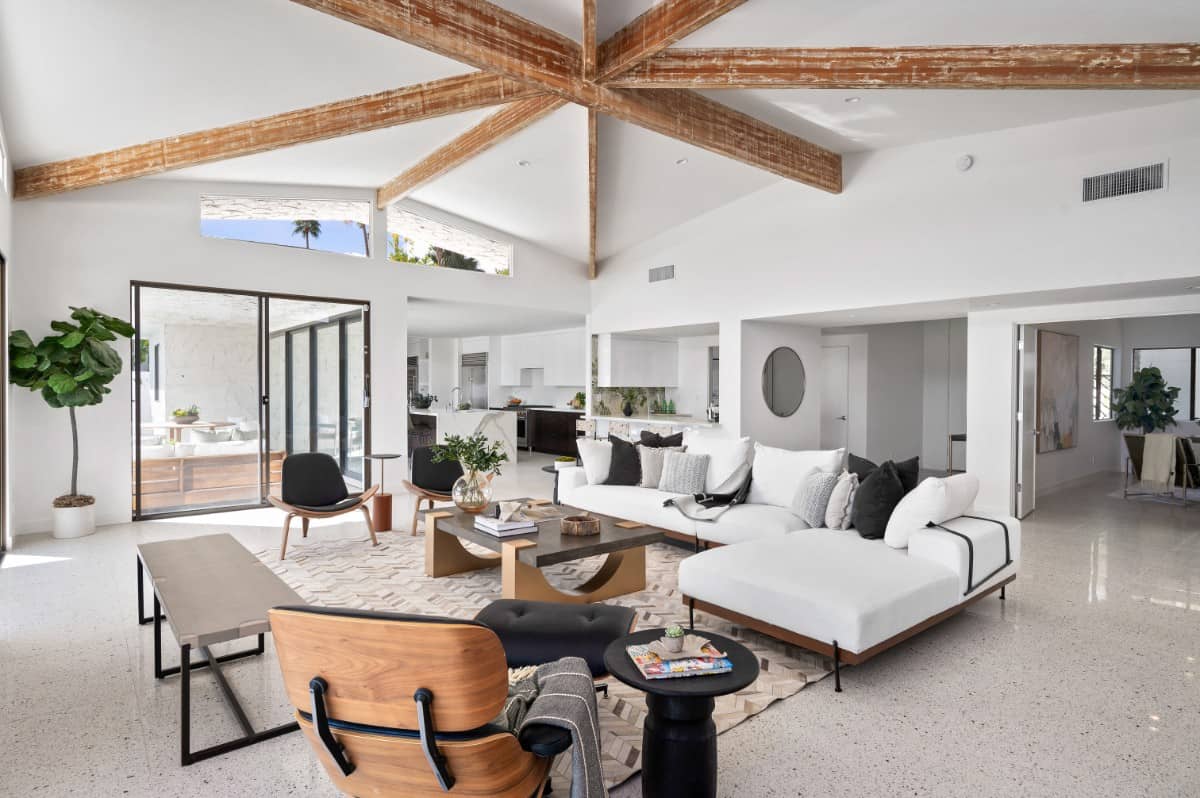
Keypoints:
pixel 581 525
pixel 191 419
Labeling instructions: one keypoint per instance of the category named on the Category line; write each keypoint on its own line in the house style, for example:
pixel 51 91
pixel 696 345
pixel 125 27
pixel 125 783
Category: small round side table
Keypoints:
pixel 679 739
pixel 381 505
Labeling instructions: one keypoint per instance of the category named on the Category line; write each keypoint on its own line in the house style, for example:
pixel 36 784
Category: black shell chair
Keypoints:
pixel 313 487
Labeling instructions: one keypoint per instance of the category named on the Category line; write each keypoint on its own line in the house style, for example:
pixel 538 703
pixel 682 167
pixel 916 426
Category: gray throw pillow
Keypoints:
pixel 652 464
pixel 684 473
pixel 813 497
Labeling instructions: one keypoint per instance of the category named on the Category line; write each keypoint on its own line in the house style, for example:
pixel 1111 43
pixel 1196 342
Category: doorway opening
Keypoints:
pixel 227 384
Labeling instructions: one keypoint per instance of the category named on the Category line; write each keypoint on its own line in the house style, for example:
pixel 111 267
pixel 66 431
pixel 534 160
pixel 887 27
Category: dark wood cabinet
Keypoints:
pixel 552 431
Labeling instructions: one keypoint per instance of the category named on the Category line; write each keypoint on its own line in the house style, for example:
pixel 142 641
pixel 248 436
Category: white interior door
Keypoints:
pixel 1025 492
pixel 835 396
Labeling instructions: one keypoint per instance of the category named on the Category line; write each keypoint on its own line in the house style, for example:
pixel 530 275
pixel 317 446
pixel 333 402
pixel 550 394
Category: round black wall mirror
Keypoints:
pixel 783 381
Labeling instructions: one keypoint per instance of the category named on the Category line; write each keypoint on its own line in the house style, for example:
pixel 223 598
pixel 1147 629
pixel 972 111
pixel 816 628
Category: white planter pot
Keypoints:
pixel 74 522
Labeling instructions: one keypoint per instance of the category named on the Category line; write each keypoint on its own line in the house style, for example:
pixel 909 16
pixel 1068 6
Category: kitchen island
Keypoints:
pixel 496 425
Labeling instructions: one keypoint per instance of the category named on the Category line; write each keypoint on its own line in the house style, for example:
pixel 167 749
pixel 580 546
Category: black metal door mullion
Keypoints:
pixel 288 395
pixel 137 404
pixel 343 398
pixel 264 419
pixel 313 440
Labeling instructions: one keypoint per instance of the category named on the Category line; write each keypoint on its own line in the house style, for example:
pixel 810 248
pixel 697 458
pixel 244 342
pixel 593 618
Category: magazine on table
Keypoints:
pixel 494 526
pixel 652 666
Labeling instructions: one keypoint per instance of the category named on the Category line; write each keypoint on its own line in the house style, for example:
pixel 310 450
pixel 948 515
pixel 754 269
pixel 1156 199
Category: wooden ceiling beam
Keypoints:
pixel 657 29
pixel 496 128
pixel 701 122
pixel 474 32
pixel 342 118
pixel 589 39
pixel 593 180
pixel 1046 66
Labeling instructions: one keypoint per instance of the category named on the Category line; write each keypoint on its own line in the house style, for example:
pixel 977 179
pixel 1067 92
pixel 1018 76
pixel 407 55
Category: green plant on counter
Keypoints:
pixel 423 401
pixel 475 452
pixel 1147 403
pixel 71 369
pixel 634 396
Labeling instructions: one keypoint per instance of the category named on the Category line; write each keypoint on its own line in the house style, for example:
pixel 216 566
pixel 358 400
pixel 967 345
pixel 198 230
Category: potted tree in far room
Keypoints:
pixel 71 368
pixel 1147 403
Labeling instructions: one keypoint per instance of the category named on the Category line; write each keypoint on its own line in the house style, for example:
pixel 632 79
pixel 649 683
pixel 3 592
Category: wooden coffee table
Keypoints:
pixel 522 557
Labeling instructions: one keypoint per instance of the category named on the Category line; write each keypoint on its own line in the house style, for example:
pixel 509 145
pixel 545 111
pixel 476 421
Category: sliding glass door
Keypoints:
pixel 228 384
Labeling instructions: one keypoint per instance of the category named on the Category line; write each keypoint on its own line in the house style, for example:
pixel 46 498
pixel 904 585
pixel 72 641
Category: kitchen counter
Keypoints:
pixel 663 420
pixel 495 424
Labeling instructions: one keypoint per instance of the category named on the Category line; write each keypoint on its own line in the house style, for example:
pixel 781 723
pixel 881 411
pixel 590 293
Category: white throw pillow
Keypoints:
pixel 961 490
pixel 837 513
pixel 812 500
pixel 724 456
pixel 779 473
pixel 597 459
pixel 924 503
pixel 652 463
pixel 683 472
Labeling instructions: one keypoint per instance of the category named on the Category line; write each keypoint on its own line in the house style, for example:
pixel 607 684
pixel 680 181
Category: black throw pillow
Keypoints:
pixel 908 470
pixel 626 467
pixel 652 440
pixel 875 500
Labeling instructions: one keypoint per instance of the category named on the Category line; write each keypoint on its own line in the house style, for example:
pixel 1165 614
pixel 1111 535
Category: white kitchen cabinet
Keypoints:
pixel 511 353
pixel 565 358
pixel 629 362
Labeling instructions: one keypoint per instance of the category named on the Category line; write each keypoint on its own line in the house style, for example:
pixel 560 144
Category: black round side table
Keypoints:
pixel 679 739
pixel 549 469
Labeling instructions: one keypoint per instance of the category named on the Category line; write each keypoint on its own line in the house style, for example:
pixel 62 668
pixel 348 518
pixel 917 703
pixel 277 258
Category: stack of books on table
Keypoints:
pixel 518 525
pixel 654 666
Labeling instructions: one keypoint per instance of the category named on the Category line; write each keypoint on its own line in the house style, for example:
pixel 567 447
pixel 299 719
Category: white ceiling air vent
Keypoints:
pixel 1126 181
pixel 660 273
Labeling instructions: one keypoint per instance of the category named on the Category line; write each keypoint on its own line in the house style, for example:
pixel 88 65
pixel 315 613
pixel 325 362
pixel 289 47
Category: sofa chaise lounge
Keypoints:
pixel 828 591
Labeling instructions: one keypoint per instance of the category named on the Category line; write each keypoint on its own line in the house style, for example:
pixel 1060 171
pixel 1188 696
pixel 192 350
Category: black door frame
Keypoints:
pixel 264 369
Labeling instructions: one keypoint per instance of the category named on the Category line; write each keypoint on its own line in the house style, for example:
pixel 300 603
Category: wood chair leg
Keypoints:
pixel 370 526
pixel 287 524
pixel 304 524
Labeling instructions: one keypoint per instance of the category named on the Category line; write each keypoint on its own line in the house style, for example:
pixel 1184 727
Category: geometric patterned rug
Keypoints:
pixel 351 573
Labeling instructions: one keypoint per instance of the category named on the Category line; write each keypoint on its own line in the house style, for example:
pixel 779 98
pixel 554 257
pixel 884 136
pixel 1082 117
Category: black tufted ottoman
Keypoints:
pixel 536 632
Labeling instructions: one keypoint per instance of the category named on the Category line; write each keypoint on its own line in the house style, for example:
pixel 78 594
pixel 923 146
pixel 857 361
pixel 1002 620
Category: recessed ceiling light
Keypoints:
pixel 523 163
pixel 852 99
pixel 681 162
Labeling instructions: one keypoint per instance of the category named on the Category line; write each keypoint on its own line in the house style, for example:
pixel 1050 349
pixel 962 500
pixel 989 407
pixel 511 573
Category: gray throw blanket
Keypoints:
pixel 711 506
pixel 562 694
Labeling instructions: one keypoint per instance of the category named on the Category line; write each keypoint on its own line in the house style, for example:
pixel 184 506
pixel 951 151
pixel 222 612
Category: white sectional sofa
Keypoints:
pixel 830 591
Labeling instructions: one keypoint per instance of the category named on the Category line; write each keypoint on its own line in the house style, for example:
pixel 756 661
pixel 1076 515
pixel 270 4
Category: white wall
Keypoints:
pixel 911 228
pixel 444 373
pixel 691 395
pixel 802 429
pixel 1098 442
pixel 6 201
pixel 89 245
pixel 944 388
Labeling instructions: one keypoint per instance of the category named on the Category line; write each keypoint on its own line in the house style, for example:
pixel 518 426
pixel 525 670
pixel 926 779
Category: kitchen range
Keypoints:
pixel 545 428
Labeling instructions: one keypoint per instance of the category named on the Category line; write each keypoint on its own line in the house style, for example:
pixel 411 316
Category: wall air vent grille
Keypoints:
pixel 660 273
pixel 1126 181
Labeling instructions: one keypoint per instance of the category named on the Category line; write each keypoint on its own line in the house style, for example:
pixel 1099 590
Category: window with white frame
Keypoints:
pixel 417 239
pixel 339 226
pixel 1102 383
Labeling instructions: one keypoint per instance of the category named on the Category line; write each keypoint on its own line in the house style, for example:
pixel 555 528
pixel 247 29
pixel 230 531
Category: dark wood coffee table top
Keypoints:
pixel 553 547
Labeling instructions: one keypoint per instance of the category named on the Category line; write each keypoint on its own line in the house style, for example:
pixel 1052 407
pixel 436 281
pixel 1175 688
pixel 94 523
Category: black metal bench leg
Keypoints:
pixel 185 705
pixel 158 668
pixel 837 668
pixel 692 614
pixel 1002 591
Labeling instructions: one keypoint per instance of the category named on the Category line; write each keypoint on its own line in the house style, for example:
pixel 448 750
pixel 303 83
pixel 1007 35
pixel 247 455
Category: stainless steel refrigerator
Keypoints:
pixel 473 379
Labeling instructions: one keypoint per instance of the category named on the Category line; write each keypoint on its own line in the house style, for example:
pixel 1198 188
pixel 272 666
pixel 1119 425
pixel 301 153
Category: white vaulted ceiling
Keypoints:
pixel 82 76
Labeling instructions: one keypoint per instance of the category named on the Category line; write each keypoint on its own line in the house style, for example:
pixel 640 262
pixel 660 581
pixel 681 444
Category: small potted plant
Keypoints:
pixel 186 415
pixel 631 398
pixel 72 368
pixel 579 400
pixel 481 460
pixel 673 638
pixel 423 401
pixel 565 461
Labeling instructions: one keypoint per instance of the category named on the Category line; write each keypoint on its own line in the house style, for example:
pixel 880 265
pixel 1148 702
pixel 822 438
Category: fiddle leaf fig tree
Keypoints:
pixel 1147 403
pixel 70 368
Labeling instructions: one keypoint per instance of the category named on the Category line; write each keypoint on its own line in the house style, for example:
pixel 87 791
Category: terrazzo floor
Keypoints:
pixel 1082 683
